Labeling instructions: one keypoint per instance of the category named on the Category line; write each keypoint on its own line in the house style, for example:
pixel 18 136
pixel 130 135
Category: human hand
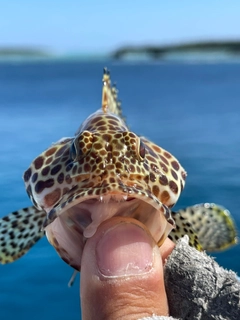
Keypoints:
pixel 122 272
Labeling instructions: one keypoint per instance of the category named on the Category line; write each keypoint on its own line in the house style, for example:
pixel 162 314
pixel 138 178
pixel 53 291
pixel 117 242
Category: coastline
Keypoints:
pixel 208 51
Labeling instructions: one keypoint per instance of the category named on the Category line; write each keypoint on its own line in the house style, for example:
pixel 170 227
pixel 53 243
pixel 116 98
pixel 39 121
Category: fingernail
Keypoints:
pixel 124 250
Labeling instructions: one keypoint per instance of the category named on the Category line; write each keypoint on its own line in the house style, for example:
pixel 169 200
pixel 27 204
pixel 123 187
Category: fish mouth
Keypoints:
pixel 69 228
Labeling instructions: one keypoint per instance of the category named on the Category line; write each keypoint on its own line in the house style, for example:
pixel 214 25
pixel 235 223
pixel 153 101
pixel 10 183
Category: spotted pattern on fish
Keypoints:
pixel 19 231
pixel 105 170
pixel 212 224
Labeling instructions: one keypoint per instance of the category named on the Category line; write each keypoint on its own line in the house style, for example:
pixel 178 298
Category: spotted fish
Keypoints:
pixel 106 170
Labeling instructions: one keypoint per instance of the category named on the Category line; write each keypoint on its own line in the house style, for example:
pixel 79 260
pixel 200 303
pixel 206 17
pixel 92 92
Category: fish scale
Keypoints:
pixel 106 170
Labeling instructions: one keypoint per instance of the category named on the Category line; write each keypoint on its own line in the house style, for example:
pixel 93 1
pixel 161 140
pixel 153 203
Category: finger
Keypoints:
pixel 122 273
pixel 166 249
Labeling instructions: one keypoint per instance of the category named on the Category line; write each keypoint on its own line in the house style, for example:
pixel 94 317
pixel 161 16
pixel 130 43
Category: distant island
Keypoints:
pixel 159 52
pixel 216 50
pixel 12 52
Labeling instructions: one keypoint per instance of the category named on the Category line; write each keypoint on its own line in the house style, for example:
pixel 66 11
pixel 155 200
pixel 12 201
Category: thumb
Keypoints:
pixel 122 273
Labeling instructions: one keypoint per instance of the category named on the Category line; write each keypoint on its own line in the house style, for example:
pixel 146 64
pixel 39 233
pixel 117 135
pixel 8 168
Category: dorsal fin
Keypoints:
pixel 110 102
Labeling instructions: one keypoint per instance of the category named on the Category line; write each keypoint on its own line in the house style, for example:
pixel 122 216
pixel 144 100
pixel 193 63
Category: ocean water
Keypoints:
pixel 192 110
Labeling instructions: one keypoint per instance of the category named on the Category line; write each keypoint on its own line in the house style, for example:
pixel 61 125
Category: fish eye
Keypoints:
pixel 141 150
pixel 73 152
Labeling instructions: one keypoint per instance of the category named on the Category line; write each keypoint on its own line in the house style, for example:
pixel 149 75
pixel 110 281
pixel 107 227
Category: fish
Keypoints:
pixel 107 170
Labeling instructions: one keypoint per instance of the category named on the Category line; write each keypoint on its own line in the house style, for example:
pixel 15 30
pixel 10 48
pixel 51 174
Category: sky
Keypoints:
pixel 69 26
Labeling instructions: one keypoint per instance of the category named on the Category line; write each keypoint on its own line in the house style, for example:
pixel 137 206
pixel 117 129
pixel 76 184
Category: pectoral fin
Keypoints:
pixel 209 226
pixel 19 231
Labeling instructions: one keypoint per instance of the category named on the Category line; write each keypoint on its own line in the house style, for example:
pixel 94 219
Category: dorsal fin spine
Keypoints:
pixel 110 102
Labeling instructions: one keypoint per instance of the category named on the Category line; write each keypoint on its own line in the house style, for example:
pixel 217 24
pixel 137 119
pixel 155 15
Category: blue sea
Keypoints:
pixel 190 109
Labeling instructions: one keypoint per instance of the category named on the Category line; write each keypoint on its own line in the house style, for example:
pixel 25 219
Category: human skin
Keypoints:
pixel 122 272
